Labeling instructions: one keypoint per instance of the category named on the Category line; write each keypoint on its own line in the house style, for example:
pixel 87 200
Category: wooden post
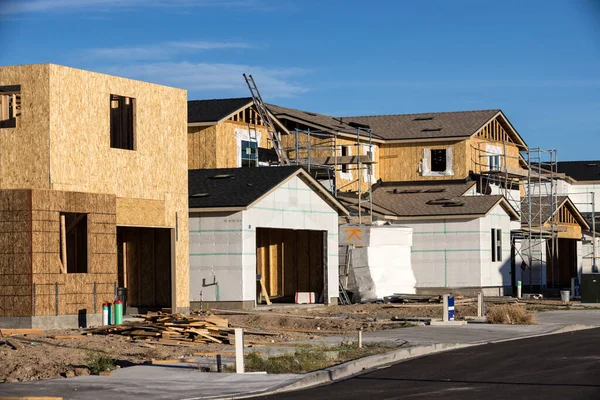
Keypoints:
pixel 239 350
pixel 63 242
pixel 124 264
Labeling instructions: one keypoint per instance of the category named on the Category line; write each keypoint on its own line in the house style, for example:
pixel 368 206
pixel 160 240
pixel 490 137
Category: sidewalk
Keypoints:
pixel 183 381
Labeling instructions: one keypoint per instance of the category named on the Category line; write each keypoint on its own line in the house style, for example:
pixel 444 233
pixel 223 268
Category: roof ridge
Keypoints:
pixel 423 113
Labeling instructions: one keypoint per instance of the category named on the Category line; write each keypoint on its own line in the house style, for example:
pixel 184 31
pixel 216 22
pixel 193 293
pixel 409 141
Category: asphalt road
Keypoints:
pixel 565 366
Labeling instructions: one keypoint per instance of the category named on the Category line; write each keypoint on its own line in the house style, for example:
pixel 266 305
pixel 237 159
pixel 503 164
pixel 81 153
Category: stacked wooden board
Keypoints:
pixel 177 329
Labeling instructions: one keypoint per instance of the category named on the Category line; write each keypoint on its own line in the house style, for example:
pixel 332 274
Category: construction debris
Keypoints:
pixel 172 329
pixel 13 332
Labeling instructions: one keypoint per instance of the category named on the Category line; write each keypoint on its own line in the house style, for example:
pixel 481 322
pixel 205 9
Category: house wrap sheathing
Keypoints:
pixel 458 253
pixel 276 222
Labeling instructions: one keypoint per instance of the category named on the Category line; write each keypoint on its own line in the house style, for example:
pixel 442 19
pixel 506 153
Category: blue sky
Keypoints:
pixel 539 61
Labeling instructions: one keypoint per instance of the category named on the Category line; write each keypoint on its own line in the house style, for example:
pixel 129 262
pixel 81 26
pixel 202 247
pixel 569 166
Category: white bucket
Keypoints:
pixel 565 295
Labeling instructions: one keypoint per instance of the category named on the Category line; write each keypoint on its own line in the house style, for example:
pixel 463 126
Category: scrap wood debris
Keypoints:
pixel 174 329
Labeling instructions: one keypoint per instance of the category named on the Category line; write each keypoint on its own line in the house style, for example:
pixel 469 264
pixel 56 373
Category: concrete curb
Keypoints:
pixel 352 368
pixel 362 365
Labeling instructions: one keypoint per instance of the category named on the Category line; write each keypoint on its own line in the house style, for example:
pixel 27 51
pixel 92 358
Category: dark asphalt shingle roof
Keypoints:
pixel 459 124
pixel 215 109
pixel 542 209
pixel 245 185
pixel 326 122
pixel 580 170
pixel 430 200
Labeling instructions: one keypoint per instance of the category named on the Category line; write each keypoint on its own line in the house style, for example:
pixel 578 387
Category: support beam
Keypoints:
pixel 63 242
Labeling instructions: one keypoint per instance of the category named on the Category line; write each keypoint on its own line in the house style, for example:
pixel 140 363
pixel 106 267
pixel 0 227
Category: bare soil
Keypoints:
pixel 42 357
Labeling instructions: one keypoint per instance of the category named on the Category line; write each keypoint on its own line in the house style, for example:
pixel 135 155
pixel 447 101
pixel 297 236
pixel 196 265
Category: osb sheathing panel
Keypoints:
pixel 202 147
pixel 155 170
pixel 400 162
pixel 15 253
pixel 25 149
pixel 75 291
pixel 477 155
pixel 140 212
pixel 226 150
pixel 324 147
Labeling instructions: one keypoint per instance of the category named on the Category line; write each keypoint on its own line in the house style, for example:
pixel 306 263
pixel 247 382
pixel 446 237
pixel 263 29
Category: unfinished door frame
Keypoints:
pixel 323 291
pixel 173 259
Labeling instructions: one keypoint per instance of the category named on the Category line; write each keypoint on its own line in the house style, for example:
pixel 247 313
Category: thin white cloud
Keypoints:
pixel 45 6
pixel 470 84
pixel 198 77
pixel 160 51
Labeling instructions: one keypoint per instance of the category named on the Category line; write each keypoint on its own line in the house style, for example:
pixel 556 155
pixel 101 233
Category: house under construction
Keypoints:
pixel 93 195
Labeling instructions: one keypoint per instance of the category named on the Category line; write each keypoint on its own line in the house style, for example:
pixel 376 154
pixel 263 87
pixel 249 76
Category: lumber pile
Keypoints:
pixel 175 329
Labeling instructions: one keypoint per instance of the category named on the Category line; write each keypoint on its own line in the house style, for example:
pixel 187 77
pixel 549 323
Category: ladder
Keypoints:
pixel 345 268
pixel 267 121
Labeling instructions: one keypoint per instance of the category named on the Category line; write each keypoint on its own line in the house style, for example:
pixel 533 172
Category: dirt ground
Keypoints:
pixel 42 357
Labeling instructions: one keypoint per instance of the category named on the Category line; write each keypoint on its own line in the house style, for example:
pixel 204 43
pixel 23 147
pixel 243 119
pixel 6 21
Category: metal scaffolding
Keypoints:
pixel 537 202
pixel 320 153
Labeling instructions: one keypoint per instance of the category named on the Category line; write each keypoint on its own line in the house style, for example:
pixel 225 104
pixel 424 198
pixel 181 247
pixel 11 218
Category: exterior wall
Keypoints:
pixel 446 253
pixel 202 147
pixel 348 181
pixel 223 245
pixel 457 253
pixel 34 285
pixel 479 148
pixel 495 274
pixel 294 205
pixel 15 253
pixel 216 146
pixel 323 147
pixel 216 256
pixel 400 161
pixel 581 195
pixel 63 143
pixel 25 149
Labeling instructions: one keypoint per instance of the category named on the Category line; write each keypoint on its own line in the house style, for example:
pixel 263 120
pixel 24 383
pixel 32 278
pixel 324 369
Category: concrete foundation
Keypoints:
pixel 52 322
pixel 468 291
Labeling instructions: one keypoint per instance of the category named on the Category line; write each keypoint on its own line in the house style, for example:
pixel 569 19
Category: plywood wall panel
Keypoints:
pixel 25 149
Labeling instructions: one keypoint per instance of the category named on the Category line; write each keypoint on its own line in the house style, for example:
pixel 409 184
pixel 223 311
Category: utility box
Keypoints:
pixel 590 288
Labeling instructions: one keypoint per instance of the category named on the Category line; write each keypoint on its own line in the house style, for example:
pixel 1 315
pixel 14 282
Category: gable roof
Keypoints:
pixel 406 201
pixel 545 209
pixel 216 109
pixel 440 125
pixel 580 170
pixel 240 188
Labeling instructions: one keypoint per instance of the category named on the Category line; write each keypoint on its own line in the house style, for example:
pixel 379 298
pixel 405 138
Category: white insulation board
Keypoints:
pixel 384 267
pixel 381 271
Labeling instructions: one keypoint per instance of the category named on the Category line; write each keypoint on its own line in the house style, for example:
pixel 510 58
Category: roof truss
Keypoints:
pixel 499 129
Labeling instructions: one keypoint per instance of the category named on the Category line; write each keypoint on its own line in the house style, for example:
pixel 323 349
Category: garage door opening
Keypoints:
pixel 144 261
pixel 291 261
pixel 564 267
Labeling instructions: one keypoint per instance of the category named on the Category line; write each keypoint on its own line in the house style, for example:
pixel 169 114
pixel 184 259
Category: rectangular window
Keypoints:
pixel 249 154
pixel 496 245
pixel 122 122
pixel 438 160
pixel 10 106
pixel 74 242
pixel 494 162
pixel 344 153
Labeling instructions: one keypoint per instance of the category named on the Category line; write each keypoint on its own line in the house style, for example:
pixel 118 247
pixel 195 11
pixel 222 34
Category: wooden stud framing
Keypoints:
pixel 63 242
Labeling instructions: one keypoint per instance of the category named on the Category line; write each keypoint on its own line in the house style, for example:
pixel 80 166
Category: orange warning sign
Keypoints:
pixel 354 235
